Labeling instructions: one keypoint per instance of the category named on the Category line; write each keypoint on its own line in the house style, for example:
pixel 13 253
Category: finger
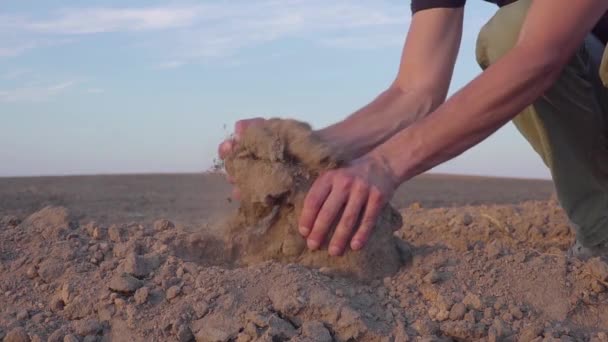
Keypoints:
pixel 241 125
pixel 236 194
pixel 326 217
pixel 374 205
pixel 312 204
pixel 225 148
pixel 349 218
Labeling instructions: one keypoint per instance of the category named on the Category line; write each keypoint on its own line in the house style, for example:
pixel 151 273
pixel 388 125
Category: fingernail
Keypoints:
pixel 356 245
pixel 334 251
pixel 304 231
pixel 313 244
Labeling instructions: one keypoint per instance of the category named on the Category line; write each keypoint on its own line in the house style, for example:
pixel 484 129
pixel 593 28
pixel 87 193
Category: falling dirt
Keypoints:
pixel 273 166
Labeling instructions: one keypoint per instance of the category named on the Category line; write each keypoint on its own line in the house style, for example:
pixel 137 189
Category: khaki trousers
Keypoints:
pixel 567 125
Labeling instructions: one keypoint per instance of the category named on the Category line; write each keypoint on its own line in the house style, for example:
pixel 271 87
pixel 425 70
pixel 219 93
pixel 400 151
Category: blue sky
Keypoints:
pixel 150 86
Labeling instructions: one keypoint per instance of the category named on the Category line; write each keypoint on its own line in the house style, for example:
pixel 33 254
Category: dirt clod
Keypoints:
pixel 17 335
pixel 274 165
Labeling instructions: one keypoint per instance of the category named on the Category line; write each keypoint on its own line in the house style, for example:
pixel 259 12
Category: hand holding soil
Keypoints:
pixel 352 195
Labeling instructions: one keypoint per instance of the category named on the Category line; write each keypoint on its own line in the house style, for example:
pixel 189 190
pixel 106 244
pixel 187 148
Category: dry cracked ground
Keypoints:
pixel 478 273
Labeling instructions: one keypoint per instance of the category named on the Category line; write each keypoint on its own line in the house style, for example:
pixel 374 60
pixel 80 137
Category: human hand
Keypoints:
pixel 362 189
pixel 227 146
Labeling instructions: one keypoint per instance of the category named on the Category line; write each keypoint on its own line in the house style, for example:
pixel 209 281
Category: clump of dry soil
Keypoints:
pixel 274 165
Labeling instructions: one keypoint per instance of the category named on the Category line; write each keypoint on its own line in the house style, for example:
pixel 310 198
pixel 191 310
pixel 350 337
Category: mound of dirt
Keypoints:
pixel 274 165
pixel 488 273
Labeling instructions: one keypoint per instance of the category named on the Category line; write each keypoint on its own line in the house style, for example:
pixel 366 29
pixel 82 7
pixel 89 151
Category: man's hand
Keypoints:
pixel 227 146
pixel 361 189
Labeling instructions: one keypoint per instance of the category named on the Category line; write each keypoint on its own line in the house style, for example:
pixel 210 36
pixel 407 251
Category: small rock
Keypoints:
pixel 467 219
pixel 458 311
pixel 184 334
pixel 493 251
pixel 57 335
pixel 316 331
pixel 23 315
pixel 472 301
pixel 432 277
pixel 141 295
pixel 200 309
pixel 242 337
pixel 90 338
pixel 488 313
pixel 426 327
pixel 98 233
pixel 51 269
pixel 87 327
pixel 173 292
pixel 470 317
pixel 117 233
pixel 516 312
pixel 463 330
pixel 17 335
pixel 32 272
pixel 530 333
pixel 136 265
pixel 597 268
pixel 38 318
pixel 125 283
pixel 162 225
pixel 70 338
pixel 280 329
pixel 80 307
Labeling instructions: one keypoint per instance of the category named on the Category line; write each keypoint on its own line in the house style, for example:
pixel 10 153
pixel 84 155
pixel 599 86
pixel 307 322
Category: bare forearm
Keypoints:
pixel 470 116
pixel 389 113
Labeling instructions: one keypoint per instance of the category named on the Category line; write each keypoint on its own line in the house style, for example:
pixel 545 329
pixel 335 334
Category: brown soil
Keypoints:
pixel 274 166
pixel 478 273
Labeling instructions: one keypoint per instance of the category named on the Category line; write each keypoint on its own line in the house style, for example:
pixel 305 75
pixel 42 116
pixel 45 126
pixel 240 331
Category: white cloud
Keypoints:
pixel 185 33
pixel 34 93
pixel 98 20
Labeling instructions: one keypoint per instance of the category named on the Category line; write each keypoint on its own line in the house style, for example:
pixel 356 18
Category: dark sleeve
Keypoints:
pixel 418 5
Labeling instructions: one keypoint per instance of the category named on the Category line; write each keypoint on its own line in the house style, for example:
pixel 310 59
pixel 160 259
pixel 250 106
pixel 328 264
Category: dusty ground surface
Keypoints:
pixel 489 272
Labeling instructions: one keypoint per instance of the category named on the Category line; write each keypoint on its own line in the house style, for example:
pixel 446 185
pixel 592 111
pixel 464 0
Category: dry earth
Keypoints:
pixel 488 272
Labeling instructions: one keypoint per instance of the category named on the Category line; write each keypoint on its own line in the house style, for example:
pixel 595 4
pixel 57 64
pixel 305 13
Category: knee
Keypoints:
pixel 500 33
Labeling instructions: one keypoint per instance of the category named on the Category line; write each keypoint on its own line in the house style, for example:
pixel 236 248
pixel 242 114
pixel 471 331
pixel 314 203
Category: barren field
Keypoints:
pixel 139 258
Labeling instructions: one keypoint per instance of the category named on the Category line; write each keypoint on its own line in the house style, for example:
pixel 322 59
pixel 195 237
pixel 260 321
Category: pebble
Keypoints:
pixel 458 311
pixel 467 219
pixel 32 272
pixel 530 333
pixel 141 295
pixel 23 315
pixel 472 301
pixel 173 292
pixel 70 338
pixel 17 335
pixel 184 334
pixel 515 311
pixel 125 283
pixel 87 327
pixel 316 331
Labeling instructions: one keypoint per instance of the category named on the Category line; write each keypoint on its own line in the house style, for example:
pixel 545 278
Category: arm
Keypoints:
pixel 421 85
pixel 551 33
pixel 549 37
